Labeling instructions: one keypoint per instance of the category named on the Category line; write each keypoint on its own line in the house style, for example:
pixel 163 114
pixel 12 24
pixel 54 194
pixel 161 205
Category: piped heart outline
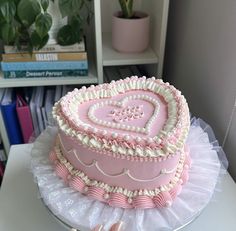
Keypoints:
pixel 122 104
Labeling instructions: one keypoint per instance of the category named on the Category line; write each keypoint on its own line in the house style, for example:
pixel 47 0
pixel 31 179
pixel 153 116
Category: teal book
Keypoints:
pixel 45 73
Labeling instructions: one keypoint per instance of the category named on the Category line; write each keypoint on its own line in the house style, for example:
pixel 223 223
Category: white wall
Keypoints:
pixel 201 61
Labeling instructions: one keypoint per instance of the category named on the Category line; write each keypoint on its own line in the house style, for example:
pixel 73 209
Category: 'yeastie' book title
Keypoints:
pixel 77 47
pixel 37 57
pixel 45 73
pixel 44 65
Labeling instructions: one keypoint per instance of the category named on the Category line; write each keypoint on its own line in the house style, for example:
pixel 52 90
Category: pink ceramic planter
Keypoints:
pixel 130 35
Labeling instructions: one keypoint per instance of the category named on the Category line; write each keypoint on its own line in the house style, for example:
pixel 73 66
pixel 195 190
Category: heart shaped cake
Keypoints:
pixel 123 143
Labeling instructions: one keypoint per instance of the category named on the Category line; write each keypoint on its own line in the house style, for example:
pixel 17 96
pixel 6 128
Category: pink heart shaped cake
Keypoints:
pixel 123 143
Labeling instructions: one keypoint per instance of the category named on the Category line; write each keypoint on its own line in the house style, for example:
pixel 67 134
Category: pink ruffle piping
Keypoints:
pixel 52 156
pixel 62 171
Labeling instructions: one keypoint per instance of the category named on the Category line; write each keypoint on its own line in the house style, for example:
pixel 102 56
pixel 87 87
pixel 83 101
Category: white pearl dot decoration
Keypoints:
pixel 121 104
pixel 106 196
pixel 186 166
pixel 168 203
pixel 130 200
pixel 162 189
pixel 86 189
pixel 177 113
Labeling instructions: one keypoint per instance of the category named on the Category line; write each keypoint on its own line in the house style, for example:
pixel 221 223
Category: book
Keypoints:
pixel 8 109
pixel 45 121
pixel 3 157
pixel 25 118
pixel 45 73
pixel 4 136
pixel 77 47
pixel 33 113
pixel 49 101
pixel 66 89
pixel 44 65
pixel 135 70
pixel 112 73
pixel 125 71
pixel 39 104
pixel 2 168
pixel 58 93
pixel 39 57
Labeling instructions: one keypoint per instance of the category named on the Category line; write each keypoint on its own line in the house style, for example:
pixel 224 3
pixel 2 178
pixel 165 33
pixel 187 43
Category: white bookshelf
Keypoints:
pixel 101 51
pixel 114 58
pixel 158 11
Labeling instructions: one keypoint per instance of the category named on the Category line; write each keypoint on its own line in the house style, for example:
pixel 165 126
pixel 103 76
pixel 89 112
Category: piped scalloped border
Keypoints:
pixel 123 172
pixel 117 196
pixel 168 141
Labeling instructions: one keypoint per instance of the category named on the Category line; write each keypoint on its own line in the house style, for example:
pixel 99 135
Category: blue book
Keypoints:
pixel 8 109
pixel 47 65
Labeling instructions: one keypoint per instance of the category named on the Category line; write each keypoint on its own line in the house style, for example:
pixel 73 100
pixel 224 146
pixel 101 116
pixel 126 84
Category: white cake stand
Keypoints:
pixel 73 209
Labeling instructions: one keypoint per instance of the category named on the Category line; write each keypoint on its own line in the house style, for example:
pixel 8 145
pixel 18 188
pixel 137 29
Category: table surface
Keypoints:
pixel 22 210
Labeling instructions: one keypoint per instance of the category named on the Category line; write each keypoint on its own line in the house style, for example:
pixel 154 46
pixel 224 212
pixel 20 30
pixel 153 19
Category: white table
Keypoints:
pixel 22 210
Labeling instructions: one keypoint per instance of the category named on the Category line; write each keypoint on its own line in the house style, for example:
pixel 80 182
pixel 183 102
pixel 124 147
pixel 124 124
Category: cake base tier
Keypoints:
pixel 120 196
pixel 79 211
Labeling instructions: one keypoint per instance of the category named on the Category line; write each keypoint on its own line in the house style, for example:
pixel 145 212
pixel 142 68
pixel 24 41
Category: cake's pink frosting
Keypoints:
pixel 103 113
pixel 77 183
pixel 174 192
pixel 123 143
pixel 52 156
pixel 62 171
pixel 163 199
pixel 96 192
pixel 185 175
pixel 119 200
pixel 66 113
pixel 112 166
pixel 143 202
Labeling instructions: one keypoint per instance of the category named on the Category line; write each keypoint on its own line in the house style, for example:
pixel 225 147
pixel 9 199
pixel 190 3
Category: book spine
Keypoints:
pixel 45 73
pixel 57 65
pixel 37 57
pixel 12 123
pixel 78 47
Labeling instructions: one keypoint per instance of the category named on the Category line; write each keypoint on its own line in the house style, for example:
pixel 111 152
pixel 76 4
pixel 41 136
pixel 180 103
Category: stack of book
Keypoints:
pixel 52 60
pixel 26 112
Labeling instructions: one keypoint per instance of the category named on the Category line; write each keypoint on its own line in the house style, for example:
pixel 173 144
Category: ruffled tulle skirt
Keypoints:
pixel 76 210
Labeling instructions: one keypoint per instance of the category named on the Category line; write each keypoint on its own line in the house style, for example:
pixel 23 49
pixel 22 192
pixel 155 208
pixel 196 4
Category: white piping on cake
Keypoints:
pixel 121 104
pixel 116 189
pixel 174 121
pixel 125 172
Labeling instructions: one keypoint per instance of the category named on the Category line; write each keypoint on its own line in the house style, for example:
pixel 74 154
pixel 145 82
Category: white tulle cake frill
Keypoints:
pixel 76 210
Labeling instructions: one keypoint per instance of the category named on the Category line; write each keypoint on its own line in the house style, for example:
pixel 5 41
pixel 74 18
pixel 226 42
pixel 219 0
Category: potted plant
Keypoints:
pixel 27 23
pixel 79 13
pixel 130 29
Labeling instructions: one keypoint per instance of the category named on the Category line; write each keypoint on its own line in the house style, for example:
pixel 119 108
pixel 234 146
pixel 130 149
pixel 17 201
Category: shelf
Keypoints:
pixel 30 82
pixel 114 58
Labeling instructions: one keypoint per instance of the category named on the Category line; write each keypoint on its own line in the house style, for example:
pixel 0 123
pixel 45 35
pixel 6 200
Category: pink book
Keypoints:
pixel 25 118
pixel 1 170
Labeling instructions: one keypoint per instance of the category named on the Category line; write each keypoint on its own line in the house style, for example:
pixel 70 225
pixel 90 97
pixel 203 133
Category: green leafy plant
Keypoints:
pixel 127 8
pixel 24 22
pixel 27 22
pixel 79 13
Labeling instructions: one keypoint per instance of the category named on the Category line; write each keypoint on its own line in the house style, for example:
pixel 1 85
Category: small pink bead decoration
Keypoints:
pixel 127 114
